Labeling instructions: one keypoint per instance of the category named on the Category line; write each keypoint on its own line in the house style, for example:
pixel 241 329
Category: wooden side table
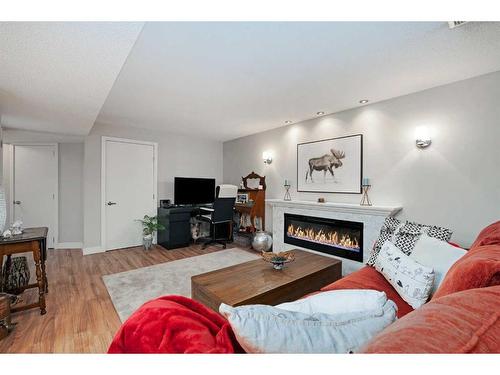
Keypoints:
pixel 32 240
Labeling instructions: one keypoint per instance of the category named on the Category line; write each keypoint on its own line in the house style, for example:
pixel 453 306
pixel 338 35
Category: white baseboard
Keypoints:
pixel 92 250
pixel 69 245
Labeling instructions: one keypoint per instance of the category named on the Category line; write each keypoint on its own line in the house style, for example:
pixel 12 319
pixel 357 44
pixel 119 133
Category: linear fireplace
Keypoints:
pixel 335 237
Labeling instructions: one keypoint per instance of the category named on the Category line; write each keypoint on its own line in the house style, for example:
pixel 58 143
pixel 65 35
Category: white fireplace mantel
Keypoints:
pixel 372 218
pixel 338 207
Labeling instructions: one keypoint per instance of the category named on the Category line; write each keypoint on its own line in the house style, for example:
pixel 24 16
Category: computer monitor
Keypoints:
pixel 192 191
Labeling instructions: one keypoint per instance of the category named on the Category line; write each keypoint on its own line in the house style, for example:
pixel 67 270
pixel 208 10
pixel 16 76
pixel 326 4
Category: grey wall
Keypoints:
pixel 454 183
pixel 70 178
pixel 177 156
pixel 71 192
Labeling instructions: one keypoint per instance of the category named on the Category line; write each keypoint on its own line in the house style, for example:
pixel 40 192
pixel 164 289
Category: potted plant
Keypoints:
pixel 150 225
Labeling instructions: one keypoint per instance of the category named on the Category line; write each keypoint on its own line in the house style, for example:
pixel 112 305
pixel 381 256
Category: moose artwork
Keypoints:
pixel 330 165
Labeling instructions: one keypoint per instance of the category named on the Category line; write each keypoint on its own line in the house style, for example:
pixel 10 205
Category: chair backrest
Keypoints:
pixel 224 203
pixel 226 191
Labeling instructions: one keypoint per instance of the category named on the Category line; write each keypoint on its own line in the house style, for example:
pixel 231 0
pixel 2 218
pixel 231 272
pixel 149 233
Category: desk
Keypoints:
pixel 32 240
pixel 177 223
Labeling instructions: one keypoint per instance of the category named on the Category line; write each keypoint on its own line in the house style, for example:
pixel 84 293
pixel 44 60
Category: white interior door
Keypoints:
pixel 35 186
pixel 129 191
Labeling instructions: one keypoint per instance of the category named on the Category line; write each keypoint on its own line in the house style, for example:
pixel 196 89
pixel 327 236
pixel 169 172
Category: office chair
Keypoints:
pixel 221 213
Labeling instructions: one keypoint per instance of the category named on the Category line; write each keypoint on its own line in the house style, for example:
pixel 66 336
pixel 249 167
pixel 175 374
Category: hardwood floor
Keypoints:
pixel 80 315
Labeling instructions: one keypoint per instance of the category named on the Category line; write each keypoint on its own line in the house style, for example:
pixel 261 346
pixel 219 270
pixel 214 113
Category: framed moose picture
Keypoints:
pixel 331 165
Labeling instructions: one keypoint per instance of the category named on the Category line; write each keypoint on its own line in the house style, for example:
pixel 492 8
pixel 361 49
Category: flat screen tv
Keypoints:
pixel 189 190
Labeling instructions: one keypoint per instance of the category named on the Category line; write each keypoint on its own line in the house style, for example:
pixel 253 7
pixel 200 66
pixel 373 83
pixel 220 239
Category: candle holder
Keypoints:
pixel 365 200
pixel 287 192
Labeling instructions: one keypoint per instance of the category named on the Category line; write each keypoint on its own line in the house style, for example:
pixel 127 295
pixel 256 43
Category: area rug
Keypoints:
pixel 130 289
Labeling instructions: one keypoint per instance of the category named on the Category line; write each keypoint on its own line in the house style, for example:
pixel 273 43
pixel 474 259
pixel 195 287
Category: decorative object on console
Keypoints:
pixel 242 198
pixel 365 200
pixel 331 165
pixel 17 227
pixel 262 241
pixel 287 186
pixel 150 226
pixel 405 235
pixel 412 280
pixel 278 260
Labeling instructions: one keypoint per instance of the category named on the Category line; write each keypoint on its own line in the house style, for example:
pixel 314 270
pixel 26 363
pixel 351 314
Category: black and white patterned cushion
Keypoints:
pixel 412 280
pixel 387 231
pixel 405 236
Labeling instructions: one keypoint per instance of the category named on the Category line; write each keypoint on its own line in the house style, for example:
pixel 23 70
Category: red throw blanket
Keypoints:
pixel 175 324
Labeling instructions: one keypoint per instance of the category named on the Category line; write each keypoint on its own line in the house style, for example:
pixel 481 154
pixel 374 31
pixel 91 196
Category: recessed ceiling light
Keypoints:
pixel 364 101
pixel 288 122
pixel 320 113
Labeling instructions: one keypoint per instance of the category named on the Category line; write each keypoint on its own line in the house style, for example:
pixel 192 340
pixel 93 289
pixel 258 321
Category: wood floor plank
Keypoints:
pixel 80 315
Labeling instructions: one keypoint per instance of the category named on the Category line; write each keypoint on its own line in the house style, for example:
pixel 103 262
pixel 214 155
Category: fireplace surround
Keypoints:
pixel 372 218
pixel 341 238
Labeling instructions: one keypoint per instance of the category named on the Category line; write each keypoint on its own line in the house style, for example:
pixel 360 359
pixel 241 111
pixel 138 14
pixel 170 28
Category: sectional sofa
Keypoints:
pixel 463 316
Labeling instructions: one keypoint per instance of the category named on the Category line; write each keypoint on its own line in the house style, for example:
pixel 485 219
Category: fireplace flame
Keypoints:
pixel 331 238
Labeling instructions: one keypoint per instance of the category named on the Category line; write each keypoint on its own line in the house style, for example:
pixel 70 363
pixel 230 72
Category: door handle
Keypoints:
pixel 111 203
pixel 17 202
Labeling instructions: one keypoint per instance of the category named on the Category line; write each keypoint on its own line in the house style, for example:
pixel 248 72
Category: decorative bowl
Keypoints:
pixel 278 260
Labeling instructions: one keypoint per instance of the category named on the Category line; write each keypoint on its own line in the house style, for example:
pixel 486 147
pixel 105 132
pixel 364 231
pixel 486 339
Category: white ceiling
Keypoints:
pixel 225 80
pixel 55 77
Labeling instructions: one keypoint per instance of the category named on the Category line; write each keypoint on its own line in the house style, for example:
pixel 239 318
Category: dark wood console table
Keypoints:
pixel 32 240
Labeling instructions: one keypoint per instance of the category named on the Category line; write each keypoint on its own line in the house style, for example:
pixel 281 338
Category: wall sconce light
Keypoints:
pixel 267 157
pixel 423 137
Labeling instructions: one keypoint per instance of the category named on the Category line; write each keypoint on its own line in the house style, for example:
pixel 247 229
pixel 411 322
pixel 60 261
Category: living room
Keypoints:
pixel 250 187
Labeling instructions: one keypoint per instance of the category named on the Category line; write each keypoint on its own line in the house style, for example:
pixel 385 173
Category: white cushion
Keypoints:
pixel 268 329
pixel 336 301
pixel 439 255
pixel 412 280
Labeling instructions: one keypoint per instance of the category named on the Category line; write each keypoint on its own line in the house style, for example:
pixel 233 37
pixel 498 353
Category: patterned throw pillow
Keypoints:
pixel 387 231
pixel 405 236
pixel 412 280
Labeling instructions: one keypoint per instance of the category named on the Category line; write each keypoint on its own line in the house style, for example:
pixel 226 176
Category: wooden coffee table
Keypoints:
pixel 256 282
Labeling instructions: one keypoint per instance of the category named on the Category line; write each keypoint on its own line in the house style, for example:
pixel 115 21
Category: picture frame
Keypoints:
pixel 242 198
pixel 333 165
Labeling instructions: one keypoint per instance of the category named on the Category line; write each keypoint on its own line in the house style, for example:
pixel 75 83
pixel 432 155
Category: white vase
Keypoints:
pixel 147 241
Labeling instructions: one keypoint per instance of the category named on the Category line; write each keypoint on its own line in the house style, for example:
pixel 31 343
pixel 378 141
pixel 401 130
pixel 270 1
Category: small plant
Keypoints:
pixel 278 259
pixel 150 225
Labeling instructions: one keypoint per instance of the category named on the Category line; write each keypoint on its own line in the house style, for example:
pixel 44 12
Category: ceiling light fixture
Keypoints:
pixel 320 113
pixel 364 101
